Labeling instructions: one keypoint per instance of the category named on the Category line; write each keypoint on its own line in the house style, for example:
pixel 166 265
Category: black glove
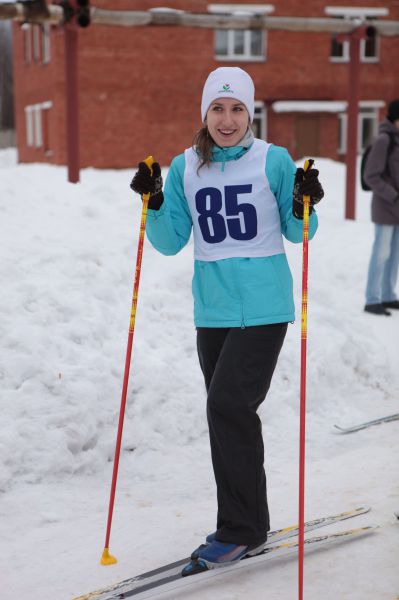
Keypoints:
pixel 306 184
pixel 146 183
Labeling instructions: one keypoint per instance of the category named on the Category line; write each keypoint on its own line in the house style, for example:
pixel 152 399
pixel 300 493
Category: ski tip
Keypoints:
pixel 339 429
pixel 373 528
pixel 363 509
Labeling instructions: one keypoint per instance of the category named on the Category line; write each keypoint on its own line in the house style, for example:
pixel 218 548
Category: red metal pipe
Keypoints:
pixel 72 102
pixel 353 111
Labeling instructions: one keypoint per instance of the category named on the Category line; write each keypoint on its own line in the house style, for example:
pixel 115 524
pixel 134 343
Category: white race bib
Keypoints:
pixel 234 212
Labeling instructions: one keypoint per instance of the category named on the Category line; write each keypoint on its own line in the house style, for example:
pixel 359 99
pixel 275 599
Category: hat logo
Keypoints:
pixel 226 89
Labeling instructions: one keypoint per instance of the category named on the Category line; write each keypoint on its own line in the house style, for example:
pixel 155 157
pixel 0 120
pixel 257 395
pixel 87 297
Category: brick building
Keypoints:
pixel 140 88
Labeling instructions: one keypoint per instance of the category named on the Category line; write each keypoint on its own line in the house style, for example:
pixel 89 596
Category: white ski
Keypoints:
pixel 367 424
pixel 157 578
pixel 176 582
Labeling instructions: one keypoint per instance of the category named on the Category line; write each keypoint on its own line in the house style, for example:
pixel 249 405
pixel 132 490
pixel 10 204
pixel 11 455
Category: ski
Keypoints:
pixel 176 581
pixel 367 424
pixel 151 579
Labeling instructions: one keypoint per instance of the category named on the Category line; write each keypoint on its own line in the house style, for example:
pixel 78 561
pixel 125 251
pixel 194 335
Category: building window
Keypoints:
pixel 339 50
pixel 37 126
pixel 46 43
pixel 259 122
pixel 36 39
pixel 240 44
pixel 29 126
pixel 369 48
pixel 27 38
pixel 367 127
pixel 36 33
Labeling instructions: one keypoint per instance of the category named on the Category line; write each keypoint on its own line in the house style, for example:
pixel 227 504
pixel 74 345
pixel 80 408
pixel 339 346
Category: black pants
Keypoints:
pixel 238 365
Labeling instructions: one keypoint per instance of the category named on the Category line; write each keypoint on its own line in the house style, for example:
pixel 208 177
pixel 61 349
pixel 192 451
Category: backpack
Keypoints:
pixel 365 186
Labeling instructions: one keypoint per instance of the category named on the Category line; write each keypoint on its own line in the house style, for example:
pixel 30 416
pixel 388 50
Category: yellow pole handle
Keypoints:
pixel 149 161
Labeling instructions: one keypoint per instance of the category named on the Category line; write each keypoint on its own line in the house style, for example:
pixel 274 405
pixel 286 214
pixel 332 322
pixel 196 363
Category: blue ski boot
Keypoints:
pixel 208 540
pixel 219 554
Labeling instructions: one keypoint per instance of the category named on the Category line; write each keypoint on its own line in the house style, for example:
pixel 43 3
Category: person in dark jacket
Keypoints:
pixel 238 195
pixel 382 175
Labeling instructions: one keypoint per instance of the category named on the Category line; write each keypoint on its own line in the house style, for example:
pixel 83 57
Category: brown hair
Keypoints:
pixel 203 144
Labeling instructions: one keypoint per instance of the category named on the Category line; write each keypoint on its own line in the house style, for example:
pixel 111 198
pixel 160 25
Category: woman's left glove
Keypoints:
pixel 306 184
pixel 145 182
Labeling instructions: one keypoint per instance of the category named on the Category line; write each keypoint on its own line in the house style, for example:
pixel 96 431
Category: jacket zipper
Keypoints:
pixel 223 160
pixel 237 269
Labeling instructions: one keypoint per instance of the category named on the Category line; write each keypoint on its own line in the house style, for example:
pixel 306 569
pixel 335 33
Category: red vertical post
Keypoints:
pixel 353 111
pixel 72 102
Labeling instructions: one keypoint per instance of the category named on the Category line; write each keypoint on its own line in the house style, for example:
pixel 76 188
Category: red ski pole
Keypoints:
pixel 302 419
pixel 107 558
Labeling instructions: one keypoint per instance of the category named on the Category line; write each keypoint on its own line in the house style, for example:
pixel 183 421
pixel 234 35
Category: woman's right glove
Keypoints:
pixel 146 183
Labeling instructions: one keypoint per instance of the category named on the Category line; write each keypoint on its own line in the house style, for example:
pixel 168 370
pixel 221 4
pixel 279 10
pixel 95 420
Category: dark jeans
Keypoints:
pixel 238 365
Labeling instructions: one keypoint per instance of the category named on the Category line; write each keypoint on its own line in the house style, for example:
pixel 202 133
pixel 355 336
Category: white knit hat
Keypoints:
pixel 229 82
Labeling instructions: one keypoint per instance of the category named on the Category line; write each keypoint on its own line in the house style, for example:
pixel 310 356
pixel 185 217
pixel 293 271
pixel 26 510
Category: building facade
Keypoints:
pixel 140 87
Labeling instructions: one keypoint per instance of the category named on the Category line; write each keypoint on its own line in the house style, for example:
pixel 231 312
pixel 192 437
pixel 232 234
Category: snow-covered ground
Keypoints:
pixel 67 264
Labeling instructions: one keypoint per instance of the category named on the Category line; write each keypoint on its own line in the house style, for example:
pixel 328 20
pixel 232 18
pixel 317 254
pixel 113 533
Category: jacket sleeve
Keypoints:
pixel 169 228
pixel 375 168
pixel 280 172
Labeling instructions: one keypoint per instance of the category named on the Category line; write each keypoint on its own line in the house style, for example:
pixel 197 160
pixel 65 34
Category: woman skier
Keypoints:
pixel 239 195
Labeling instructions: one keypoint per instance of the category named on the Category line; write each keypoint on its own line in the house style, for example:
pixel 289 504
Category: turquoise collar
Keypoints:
pixel 224 155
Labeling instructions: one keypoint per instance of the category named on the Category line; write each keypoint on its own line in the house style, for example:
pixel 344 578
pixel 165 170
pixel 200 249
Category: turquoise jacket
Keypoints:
pixel 234 292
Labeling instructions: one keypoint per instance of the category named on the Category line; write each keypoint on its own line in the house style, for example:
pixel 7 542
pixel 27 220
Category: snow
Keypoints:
pixel 309 106
pixel 350 12
pixel 241 9
pixel 68 259
pixel 326 106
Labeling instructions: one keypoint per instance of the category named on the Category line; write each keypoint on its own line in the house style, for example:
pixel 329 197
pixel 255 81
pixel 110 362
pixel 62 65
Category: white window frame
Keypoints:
pixel 46 53
pixel 345 54
pixel 351 13
pixel 29 125
pixel 26 29
pixel 367 109
pixel 36 45
pixel 37 126
pixel 370 59
pixel 261 115
pixel 241 9
pixel 247 56
pixel 34 123
pixel 363 58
